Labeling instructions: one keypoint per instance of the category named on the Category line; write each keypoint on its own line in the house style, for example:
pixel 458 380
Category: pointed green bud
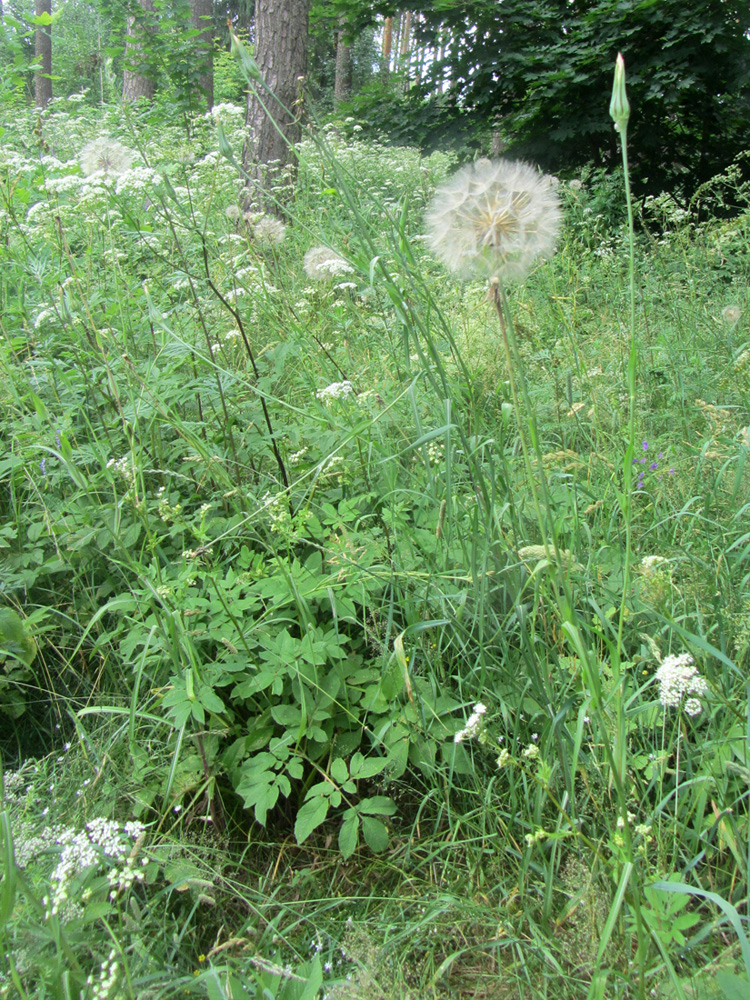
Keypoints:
pixel 619 109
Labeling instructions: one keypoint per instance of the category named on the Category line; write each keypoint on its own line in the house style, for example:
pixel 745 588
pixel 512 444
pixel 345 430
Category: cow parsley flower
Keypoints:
pixel 678 678
pixel 336 390
pixel 105 155
pixel 493 219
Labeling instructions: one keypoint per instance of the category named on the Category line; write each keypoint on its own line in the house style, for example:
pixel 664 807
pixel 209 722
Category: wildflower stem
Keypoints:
pixel 619 756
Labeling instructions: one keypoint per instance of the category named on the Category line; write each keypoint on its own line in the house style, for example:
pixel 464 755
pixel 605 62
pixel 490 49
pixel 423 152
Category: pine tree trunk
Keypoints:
pixel 201 11
pixel 342 88
pixel 405 38
pixel 281 30
pixel 43 53
pixel 387 45
pixel 135 80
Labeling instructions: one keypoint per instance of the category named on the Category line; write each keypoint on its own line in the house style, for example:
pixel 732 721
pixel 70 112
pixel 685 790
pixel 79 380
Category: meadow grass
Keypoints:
pixel 275 535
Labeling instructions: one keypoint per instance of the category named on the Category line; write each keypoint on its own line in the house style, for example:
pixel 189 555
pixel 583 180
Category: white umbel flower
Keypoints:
pixel 493 219
pixel 677 679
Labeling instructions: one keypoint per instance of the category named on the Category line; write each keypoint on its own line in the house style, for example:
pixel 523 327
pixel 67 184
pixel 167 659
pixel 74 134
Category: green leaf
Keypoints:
pixel 733 987
pixel 375 834
pixel 367 768
pixel 378 805
pixel 349 834
pixel 310 816
pixel 339 771
pixel 15 638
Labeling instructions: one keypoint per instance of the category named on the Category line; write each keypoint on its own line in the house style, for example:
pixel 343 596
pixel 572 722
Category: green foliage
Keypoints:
pixel 536 71
pixel 277 539
pixel 17 653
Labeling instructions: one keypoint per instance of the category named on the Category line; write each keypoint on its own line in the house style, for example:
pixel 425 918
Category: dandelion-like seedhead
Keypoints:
pixel 678 678
pixel 322 264
pixel 493 219
pixel 268 230
pixel 731 315
pixel 105 155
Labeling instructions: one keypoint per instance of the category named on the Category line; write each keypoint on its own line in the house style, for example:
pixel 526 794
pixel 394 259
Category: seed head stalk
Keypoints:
pixel 619 110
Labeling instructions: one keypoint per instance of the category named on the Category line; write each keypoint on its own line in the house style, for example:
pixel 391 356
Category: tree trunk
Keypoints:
pixel 387 45
pixel 342 88
pixel 201 11
pixel 405 38
pixel 136 81
pixel 43 53
pixel 281 29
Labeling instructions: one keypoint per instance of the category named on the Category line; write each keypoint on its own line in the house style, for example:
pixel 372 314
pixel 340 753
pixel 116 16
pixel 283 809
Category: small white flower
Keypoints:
pixel 677 678
pixel 336 390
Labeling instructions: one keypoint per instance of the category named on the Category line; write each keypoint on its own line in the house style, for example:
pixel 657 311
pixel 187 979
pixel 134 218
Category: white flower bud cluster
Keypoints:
pixel 87 849
pixel 473 725
pixel 104 983
pixel 678 678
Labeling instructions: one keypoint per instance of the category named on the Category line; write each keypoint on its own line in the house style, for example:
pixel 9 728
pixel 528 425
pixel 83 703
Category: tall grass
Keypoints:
pixel 254 603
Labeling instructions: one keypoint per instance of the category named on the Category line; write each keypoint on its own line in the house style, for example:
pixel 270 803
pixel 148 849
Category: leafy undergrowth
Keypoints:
pixel 306 688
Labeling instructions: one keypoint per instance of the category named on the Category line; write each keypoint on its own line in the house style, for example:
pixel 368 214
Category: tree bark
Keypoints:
pixel 387 45
pixel 43 53
pixel 342 88
pixel 201 11
pixel 274 111
pixel 136 82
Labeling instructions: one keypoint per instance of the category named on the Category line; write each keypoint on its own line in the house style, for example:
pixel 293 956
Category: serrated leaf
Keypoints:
pixel 375 834
pixel 349 835
pixel 378 805
pixel 339 771
pixel 310 816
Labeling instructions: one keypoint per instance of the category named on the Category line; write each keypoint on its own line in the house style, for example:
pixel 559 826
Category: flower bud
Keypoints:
pixel 619 109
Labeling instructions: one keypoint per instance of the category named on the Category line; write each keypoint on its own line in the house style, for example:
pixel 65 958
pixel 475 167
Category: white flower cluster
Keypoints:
pixel 322 263
pixel 123 467
pixel 103 984
pixel 651 564
pixel 136 180
pixel 336 390
pixel 86 849
pixel 677 678
pixel 473 725
pixel 225 109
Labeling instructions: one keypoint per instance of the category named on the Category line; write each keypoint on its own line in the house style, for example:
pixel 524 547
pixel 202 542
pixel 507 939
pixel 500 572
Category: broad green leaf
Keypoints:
pixel 733 987
pixel 339 771
pixel 375 834
pixel 15 638
pixel 349 834
pixel 310 816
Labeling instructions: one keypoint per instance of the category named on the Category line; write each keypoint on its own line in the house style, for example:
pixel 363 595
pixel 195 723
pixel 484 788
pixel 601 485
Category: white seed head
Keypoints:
pixel 493 219
pixel 322 264
pixel 269 230
pixel 105 155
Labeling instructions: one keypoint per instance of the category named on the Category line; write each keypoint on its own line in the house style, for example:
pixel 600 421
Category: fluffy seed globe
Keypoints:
pixel 493 219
